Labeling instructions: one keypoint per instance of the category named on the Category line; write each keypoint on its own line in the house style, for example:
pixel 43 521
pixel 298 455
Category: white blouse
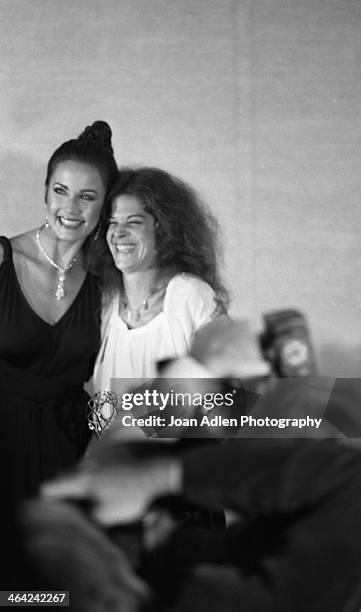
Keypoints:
pixel 130 354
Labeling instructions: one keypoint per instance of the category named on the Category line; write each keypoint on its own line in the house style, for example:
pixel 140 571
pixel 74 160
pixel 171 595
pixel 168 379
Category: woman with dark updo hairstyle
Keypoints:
pixel 157 255
pixel 50 317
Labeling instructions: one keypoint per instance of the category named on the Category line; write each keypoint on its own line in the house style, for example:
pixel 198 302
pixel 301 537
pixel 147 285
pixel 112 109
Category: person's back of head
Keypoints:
pixel 67 552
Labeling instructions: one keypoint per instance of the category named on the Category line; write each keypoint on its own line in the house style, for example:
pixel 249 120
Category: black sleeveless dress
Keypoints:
pixel 43 424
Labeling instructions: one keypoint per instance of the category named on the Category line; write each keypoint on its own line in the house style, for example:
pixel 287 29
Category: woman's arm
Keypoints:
pixel 1 254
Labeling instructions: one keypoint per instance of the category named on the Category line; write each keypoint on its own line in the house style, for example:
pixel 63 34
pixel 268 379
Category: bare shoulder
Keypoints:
pixel 22 244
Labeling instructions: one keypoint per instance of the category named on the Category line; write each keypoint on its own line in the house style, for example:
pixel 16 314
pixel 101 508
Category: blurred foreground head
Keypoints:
pixel 67 552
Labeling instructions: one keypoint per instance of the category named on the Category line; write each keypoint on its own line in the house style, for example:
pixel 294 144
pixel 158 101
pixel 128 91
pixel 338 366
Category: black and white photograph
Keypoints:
pixel 180 305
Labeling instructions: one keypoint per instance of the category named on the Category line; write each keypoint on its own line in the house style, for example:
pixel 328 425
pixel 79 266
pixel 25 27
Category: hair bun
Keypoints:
pixel 100 133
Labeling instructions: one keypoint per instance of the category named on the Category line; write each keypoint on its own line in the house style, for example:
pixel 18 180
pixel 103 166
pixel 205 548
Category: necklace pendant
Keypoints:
pixel 60 292
pixel 62 270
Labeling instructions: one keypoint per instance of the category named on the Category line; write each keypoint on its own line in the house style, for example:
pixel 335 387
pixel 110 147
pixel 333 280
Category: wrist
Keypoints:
pixel 184 367
pixel 175 477
pixel 169 477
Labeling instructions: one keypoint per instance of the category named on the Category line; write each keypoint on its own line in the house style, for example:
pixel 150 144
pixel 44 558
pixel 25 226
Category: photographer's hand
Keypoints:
pixel 118 484
pixel 229 348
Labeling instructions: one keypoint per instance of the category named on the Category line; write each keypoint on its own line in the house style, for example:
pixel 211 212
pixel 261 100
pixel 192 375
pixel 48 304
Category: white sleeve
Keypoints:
pixel 190 300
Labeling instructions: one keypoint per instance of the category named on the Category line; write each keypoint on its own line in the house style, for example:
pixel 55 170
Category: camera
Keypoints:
pixel 286 343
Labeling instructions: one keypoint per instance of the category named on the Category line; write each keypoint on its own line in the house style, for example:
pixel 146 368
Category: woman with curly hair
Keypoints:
pixel 158 261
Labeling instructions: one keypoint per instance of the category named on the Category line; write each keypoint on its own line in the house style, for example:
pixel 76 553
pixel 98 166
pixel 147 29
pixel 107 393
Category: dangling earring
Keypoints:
pixel 47 224
pixel 97 233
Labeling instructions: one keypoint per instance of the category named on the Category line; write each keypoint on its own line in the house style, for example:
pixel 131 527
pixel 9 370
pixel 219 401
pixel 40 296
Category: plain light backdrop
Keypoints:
pixel 256 103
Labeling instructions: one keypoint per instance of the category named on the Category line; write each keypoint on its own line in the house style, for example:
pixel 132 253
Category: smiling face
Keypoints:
pixel 74 198
pixel 130 235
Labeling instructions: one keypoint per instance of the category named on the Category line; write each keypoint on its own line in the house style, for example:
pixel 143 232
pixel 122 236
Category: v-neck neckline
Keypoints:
pixel 30 307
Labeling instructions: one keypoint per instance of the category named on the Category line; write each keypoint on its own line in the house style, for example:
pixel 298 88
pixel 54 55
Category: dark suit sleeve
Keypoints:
pixel 303 501
pixel 263 476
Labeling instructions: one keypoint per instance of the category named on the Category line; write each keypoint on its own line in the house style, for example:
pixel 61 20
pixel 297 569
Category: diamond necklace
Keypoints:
pixel 62 270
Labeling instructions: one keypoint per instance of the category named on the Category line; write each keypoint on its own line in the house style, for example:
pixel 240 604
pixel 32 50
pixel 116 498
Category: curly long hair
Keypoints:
pixel 186 232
